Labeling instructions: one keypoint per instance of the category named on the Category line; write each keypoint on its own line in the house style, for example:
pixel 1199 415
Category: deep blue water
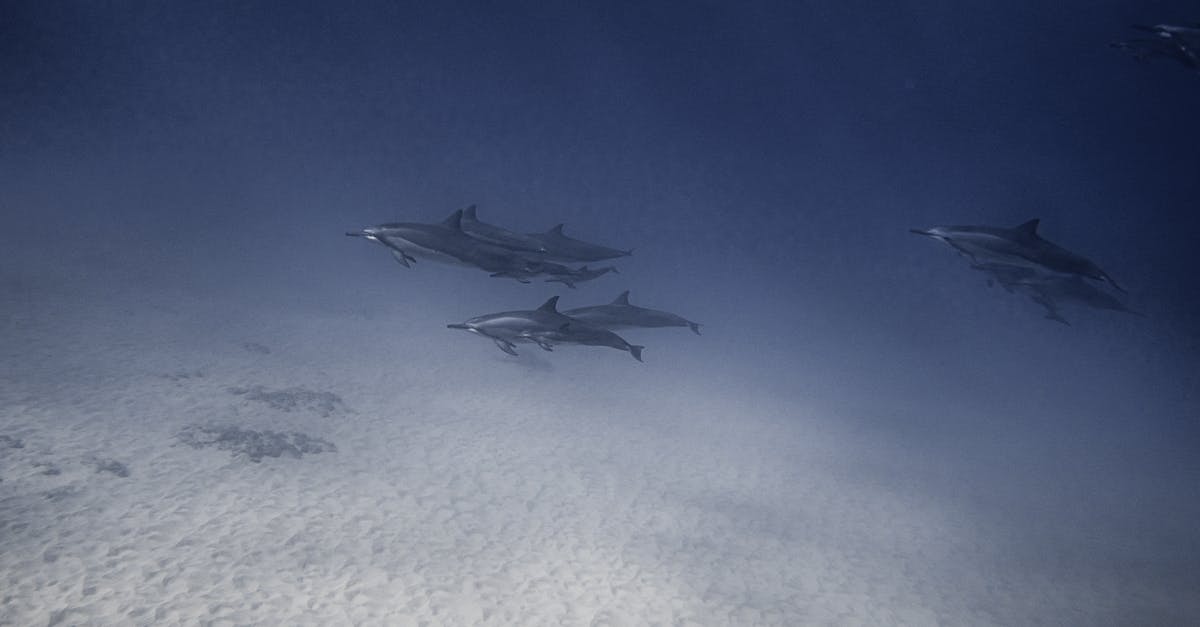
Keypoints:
pixel 764 160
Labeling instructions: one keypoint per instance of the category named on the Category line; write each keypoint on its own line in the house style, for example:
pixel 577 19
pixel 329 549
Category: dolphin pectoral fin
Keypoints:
pixel 636 351
pixel 507 347
pixel 695 327
pixel 402 258
pixel 546 346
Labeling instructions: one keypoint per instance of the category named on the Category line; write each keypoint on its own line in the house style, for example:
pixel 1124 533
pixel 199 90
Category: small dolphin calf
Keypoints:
pixel 1049 289
pixel 1018 246
pixel 579 275
pixel 543 326
pixel 559 246
pixel 497 236
pixel 619 314
pixel 577 332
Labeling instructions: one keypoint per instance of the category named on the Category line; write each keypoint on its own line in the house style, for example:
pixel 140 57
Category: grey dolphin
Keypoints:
pixel 579 275
pixel 497 236
pixel 619 314
pixel 445 243
pixel 1018 246
pixel 577 332
pixel 1181 43
pixel 563 248
pixel 1048 289
pixel 544 326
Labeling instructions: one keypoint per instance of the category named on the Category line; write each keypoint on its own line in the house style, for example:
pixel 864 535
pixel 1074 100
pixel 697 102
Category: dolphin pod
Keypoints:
pixel 1022 261
pixel 546 326
pixel 463 240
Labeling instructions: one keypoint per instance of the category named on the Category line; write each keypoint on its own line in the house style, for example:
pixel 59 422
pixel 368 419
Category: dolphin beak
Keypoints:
pixel 458 326
pixel 922 232
pixel 356 234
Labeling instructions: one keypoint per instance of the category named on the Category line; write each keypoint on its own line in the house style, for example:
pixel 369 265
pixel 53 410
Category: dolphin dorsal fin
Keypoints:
pixel 454 221
pixel 469 213
pixel 623 299
pixel 1028 228
pixel 557 230
pixel 550 305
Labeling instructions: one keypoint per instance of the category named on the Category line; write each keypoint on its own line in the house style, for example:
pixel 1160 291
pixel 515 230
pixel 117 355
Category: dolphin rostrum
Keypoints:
pixel 1018 246
pixel 619 314
pixel 544 326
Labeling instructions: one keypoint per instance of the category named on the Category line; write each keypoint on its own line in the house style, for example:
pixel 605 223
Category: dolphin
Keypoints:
pixel 619 314
pixel 445 243
pixel 579 275
pixel 577 332
pixel 1181 43
pixel 1146 49
pixel 544 326
pixel 1048 289
pixel 562 248
pixel 1018 246
pixel 497 236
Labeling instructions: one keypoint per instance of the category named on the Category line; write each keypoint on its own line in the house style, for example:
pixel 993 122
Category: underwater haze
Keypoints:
pixel 216 408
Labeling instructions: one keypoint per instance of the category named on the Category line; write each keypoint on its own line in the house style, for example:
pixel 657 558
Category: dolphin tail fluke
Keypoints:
pixel 507 347
pixel 695 326
pixel 1113 283
pixel 636 351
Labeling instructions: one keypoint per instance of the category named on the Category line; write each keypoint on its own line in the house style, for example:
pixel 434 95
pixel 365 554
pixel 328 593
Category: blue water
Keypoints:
pixel 765 163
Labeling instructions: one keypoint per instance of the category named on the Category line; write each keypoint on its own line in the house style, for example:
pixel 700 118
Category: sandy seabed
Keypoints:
pixel 462 487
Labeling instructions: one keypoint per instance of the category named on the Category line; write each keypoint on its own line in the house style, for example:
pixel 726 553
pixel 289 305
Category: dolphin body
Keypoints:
pixel 1019 246
pixel 619 314
pixel 497 236
pixel 562 248
pixel 1048 289
pixel 1181 43
pixel 544 326
pixel 579 275
pixel 445 243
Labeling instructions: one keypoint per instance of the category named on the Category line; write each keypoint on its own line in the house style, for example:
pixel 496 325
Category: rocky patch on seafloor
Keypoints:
pixel 254 445
pixel 112 466
pixel 292 399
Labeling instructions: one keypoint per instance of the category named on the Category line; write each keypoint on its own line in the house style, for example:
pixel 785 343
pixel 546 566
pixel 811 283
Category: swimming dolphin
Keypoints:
pixel 578 275
pixel 577 332
pixel 619 314
pixel 1048 289
pixel 1018 246
pixel 497 236
pixel 1146 49
pixel 544 326
pixel 1181 43
pixel 562 248
pixel 445 243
